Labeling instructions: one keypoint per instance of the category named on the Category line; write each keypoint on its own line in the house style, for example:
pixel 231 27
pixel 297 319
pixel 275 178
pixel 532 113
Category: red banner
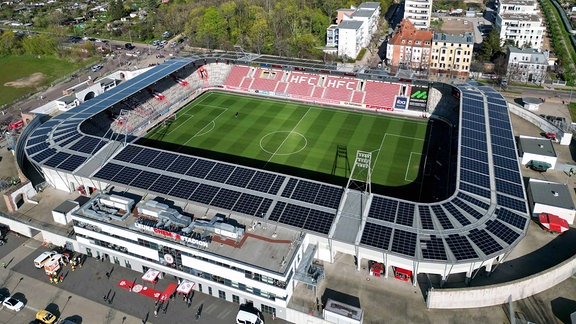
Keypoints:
pixel 139 289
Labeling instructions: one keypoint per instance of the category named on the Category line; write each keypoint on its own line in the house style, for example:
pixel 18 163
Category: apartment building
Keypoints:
pixel 409 48
pixel 526 65
pixel 452 54
pixel 419 12
pixel 520 22
pixel 353 29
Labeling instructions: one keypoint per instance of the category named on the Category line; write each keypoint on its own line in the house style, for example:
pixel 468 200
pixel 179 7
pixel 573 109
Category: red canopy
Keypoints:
pixel 185 286
pixel 151 275
pixel 554 223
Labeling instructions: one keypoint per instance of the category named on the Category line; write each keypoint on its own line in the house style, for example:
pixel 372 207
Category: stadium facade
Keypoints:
pixel 256 233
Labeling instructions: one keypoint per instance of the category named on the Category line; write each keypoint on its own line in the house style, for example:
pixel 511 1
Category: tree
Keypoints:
pixel 116 10
pixel 491 45
pixel 212 30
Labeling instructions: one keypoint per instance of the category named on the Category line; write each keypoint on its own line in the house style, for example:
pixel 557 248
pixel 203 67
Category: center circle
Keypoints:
pixel 283 143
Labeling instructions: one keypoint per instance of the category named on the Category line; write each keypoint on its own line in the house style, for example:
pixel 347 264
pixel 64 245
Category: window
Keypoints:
pixel 235 299
pixel 116 260
pixel 200 287
pixel 210 291
pixel 222 294
pixel 127 263
pixel 268 309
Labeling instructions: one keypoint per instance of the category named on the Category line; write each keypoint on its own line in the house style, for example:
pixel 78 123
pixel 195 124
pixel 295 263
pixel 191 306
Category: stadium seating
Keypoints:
pixel 338 88
pixel 318 92
pixel 301 84
pixel 236 76
pixel 358 96
pixel 281 87
pixel 266 79
pixel 380 94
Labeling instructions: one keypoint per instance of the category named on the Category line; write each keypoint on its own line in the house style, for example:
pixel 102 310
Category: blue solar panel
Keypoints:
pixel 319 221
pixel 225 199
pixel 502 231
pixel 264 207
pixel 181 165
pixel 275 187
pixel 37 140
pixel 511 218
pixel 404 242
pixel 483 192
pixel 164 184
pixel 57 159
pixel 220 173
pixel 383 209
pixel 145 157
pixel 376 235
pixel 184 189
pixel 503 162
pixel 329 196
pixel 201 168
pixel 511 175
pixel 475 144
pixel 474 165
pixel 468 115
pixel 262 181
pixel 467 208
pixel 294 215
pixel 144 180
pixel 505 142
pixel 509 188
pixel 72 163
pixel 75 136
pixel 505 124
pixel 433 249
pixel 441 217
pixel 405 214
pixel 240 177
pixel 287 192
pixel 484 241
pixel 511 203
pixel 163 161
pixel 507 133
pixel 126 176
pixel 306 191
pixel 425 217
pixel 128 153
pixel 473 201
pixel 247 204
pixel 456 214
pixel 473 125
pixel 473 154
pixel 475 178
pixel 204 194
pixel 44 155
pixel 108 171
pixel 461 247
pixel 277 211
pixel 31 150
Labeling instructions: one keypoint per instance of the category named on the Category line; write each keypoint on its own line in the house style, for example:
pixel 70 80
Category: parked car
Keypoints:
pixel 96 68
pixel 129 46
pixel 45 317
pixel 12 303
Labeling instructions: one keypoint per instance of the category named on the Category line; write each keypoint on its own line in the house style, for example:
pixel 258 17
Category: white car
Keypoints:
pixel 13 304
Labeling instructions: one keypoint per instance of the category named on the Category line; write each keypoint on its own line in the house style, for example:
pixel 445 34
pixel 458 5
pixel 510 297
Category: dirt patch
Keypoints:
pixel 32 80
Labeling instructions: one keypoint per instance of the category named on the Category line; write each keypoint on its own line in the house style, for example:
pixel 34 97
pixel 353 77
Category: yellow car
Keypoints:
pixel 45 316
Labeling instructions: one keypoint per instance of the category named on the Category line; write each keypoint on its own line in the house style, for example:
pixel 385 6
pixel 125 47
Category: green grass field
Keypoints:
pixel 17 67
pixel 270 133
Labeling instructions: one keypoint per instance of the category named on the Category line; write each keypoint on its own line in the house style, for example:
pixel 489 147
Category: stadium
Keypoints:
pixel 420 176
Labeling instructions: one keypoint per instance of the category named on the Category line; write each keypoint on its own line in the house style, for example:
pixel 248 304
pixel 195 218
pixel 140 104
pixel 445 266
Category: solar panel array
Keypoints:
pixel 463 228
pixel 485 129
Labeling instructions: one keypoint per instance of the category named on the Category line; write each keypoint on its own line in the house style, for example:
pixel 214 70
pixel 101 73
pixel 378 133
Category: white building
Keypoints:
pixel 419 12
pixel 520 21
pixel 527 65
pixel 537 149
pixel 353 29
pixel 550 197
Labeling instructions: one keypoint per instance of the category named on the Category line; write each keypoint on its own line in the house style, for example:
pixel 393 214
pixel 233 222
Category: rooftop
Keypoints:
pixel 466 38
pixel 521 17
pixel 258 243
pixel 551 194
pixel 350 24
pixel 538 146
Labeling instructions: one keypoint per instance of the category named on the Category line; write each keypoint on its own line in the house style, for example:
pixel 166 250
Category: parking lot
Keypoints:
pixel 80 297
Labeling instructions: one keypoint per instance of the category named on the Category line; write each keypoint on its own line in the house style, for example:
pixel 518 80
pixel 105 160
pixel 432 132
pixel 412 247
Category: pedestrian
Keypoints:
pixel 155 313
pixel 236 115
pixel 61 278
pixel 105 298
pixel 108 275
pixel 4 265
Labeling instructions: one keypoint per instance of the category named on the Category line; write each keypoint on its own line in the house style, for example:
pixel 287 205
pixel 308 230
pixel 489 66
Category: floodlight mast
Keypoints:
pixel 361 174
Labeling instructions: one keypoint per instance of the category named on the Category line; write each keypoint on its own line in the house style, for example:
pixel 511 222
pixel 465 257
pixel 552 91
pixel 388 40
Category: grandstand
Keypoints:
pixel 474 226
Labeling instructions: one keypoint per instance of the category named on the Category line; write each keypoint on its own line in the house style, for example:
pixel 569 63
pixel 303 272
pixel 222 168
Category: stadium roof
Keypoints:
pixel 485 217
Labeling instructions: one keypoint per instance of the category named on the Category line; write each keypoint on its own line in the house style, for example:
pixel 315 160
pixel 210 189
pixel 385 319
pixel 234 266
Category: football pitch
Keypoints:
pixel 280 135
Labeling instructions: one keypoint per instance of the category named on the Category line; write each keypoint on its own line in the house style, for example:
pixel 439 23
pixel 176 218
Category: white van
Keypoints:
pixel 43 258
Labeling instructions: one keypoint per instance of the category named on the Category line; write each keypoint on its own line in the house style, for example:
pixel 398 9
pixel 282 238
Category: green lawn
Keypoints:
pixel 271 134
pixel 17 67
